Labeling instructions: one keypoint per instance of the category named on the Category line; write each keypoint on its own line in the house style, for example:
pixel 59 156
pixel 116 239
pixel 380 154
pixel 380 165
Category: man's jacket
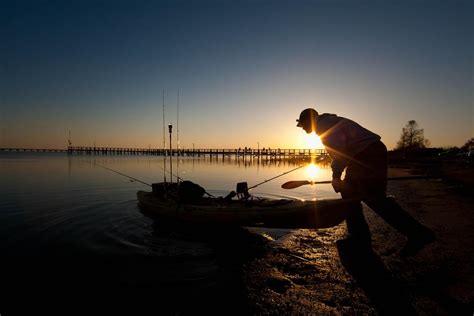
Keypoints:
pixel 343 139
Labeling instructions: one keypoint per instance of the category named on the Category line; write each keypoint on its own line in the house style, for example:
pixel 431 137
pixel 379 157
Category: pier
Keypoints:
pixel 240 152
pixel 265 153
pixel 38 150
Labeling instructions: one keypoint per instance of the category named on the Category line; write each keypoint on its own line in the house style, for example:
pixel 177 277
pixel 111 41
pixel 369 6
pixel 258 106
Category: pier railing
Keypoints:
pixel 38 150
pixel 245 152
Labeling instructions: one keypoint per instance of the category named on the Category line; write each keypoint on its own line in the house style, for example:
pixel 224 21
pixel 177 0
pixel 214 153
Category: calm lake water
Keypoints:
pixel 68 224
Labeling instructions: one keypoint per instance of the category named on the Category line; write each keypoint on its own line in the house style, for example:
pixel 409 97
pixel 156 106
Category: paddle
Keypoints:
pixel 296 184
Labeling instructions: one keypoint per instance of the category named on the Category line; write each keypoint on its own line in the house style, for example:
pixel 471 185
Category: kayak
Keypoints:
pixel 275 213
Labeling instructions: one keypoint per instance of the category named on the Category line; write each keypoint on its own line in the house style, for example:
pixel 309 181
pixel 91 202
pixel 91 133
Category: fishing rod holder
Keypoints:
pixel 242 192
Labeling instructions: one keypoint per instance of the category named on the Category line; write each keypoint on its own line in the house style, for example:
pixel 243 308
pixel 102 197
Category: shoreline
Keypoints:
pixel 307 273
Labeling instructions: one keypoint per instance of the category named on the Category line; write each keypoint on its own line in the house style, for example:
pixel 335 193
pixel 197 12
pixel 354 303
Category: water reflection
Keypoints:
pixel 218 175
pixel 69 199
pixel 63 211
pixel 312 171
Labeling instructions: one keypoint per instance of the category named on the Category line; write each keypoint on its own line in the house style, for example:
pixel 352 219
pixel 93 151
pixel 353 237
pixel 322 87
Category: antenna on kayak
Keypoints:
pixel 170 129
pixel 164 140
pixel 177 136
pixel 177 122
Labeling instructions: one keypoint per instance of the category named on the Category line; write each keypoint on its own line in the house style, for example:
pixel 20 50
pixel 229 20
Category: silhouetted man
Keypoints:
pixel 363 156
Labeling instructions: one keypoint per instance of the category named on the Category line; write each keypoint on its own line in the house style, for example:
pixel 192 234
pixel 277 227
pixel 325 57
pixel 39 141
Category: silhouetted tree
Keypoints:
pixel 412 137
pixel 468 144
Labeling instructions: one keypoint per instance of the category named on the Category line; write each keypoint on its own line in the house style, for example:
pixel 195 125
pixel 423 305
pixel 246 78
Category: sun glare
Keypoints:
pixel 312 171
pixel 313 141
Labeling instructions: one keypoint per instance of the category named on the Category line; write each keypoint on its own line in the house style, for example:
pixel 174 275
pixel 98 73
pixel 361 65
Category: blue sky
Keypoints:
pixel 244 70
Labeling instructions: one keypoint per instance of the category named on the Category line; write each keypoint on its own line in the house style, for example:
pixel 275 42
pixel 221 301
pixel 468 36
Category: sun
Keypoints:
pixel 312 171
pixel 313 141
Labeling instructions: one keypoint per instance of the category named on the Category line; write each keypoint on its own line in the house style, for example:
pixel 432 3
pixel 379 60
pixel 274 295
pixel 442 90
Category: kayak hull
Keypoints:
pixel 259 212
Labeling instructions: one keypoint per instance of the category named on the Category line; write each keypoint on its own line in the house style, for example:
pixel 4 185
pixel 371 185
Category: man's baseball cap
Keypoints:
pixel 305 116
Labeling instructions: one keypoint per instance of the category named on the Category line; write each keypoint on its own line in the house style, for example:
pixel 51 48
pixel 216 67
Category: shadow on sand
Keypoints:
pixel 385 292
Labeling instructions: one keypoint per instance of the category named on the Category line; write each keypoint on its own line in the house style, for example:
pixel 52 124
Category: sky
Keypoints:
pixel 244 70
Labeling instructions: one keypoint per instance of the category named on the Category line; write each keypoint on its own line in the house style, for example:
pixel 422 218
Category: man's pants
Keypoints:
pixel 366 181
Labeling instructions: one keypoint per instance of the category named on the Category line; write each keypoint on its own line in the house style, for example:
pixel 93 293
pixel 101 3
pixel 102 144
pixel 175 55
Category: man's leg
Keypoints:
pixel 357 226
pixel 391 212
pixel 366 174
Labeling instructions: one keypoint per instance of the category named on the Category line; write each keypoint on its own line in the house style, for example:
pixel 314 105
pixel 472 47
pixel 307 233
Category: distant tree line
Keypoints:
pixel 412 137
pixel 469 144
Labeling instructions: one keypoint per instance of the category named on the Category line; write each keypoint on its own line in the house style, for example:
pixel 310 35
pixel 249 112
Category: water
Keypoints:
pixel 72 224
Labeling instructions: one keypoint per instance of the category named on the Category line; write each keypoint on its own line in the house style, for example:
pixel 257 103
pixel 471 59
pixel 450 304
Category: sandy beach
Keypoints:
pixel 305 272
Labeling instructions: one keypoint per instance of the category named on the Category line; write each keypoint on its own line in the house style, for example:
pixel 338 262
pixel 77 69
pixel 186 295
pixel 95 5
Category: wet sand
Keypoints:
pixel 305 272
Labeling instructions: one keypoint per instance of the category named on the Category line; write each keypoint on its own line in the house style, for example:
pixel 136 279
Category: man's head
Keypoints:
pixel 307 120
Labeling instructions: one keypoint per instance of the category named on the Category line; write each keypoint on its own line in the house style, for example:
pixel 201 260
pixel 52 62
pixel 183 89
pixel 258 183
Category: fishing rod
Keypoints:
pixel 177 133
pixel 280 175
pixel 170 127
pixel 138 180
pixel 164 140
pixel 181 179
pixel 135 179
pixel 243 190
pixel 120 173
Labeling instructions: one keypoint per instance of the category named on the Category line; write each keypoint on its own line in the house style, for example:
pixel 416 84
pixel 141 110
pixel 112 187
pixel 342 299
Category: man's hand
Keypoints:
pixel 337 184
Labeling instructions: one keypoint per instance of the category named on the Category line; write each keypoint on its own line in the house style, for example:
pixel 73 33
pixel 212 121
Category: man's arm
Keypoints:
pixel 337 167
pixel 335 141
